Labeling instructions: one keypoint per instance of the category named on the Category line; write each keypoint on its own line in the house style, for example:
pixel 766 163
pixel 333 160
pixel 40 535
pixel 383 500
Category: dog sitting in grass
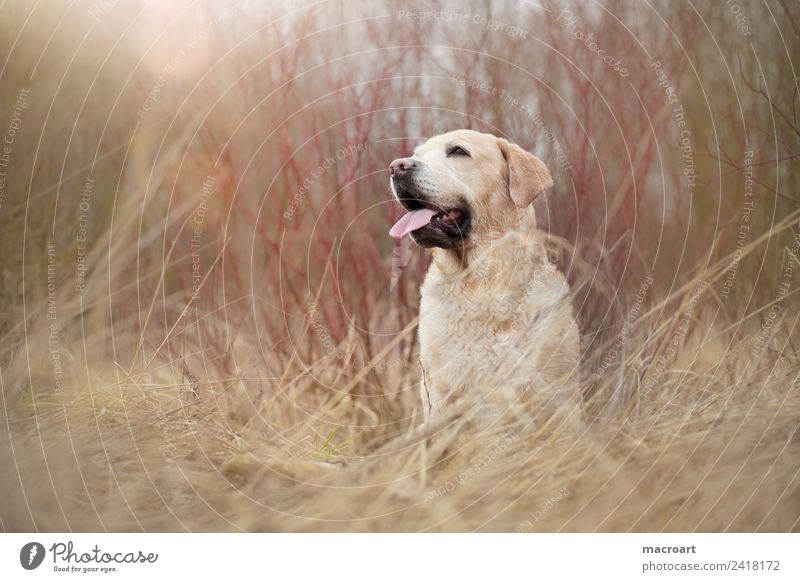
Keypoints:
pixel 496 317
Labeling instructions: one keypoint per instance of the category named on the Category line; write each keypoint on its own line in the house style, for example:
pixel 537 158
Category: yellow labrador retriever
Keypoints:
pixel 495 314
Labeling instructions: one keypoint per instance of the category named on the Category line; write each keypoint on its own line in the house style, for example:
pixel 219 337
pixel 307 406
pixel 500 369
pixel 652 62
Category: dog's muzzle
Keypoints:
pixel 428 223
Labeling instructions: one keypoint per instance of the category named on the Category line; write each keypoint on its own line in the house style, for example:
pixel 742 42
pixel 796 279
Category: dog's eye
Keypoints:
pixel 457 151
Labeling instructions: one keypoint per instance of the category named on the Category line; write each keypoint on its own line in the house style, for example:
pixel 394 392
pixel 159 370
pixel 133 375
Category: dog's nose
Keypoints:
pixel 399 167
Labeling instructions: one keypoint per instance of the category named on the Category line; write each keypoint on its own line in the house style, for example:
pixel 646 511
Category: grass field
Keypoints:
pixel 200 326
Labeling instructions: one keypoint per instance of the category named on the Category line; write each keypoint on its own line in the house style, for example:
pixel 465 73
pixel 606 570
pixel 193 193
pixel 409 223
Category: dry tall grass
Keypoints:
pixel 198 331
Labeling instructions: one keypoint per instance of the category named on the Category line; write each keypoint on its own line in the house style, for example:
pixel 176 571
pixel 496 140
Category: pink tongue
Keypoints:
pixel 411 221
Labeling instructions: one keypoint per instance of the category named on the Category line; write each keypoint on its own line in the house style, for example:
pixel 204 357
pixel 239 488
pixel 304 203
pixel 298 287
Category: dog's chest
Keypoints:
pixel 470 327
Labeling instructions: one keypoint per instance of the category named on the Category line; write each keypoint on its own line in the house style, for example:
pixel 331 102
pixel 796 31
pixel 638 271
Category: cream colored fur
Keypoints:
pixel 495 314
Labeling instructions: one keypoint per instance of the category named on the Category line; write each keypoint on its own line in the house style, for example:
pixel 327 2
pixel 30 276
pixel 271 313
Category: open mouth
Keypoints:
pixel 432 227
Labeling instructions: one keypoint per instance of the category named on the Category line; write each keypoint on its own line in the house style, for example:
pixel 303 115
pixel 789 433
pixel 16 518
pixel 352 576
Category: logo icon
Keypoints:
pixel 31 555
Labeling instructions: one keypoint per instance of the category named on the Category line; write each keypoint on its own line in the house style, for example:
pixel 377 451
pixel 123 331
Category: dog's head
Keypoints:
pixel 464 188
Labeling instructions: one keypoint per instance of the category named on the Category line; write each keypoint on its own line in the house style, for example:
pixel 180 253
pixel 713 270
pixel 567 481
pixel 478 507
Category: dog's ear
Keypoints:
pixel 527 175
